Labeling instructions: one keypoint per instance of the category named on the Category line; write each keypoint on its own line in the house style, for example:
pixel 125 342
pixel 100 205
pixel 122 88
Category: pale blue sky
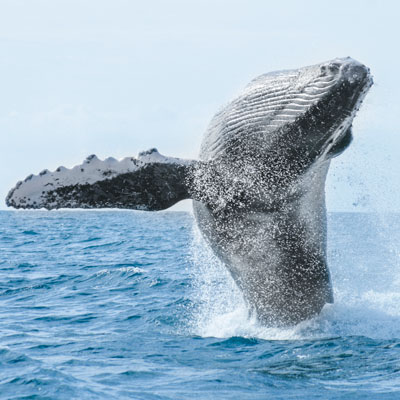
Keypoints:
pixel 117 77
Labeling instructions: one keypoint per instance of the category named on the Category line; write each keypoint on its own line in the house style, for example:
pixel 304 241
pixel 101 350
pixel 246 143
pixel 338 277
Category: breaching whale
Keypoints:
pixel 258 187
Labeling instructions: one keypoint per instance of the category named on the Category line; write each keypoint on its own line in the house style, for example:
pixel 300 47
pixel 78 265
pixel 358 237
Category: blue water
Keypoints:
pixel 132 305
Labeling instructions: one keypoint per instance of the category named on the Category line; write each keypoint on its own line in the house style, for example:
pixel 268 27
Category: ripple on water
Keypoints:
pixel 121 305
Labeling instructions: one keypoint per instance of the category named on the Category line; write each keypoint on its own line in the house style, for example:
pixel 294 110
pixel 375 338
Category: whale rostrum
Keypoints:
pixel 258 186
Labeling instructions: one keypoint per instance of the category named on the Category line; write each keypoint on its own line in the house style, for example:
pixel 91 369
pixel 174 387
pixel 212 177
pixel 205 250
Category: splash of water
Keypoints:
pixel 220 309
pixel 366 283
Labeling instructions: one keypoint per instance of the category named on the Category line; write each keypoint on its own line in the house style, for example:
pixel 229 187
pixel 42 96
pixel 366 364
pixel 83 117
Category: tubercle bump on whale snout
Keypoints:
pixel 348 68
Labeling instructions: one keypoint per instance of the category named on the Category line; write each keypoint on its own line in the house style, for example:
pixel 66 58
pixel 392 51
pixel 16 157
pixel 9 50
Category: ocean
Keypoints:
pixel 133 305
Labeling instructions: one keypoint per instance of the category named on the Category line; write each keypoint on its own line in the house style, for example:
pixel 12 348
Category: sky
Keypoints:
pixel 120 76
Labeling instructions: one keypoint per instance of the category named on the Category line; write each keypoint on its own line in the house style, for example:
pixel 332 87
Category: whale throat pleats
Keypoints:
pixel 267 104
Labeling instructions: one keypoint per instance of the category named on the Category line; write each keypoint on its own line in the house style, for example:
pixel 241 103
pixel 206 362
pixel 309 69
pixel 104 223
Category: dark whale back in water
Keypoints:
pixel 258 187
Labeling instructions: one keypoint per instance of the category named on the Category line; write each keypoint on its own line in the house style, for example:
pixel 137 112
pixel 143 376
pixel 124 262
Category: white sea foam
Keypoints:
pixel 220 309
pixel 107 271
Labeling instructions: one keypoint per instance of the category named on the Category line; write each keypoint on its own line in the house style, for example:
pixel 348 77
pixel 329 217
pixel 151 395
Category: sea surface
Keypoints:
pixel 133 305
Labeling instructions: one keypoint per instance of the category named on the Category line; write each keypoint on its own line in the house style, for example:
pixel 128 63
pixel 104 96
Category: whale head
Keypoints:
pixel 334 91
pixel 308 110
pixel 289 120
pixel 282 126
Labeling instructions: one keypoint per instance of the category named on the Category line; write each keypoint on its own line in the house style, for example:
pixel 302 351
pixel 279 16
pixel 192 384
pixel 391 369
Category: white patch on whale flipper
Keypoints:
pixel 33 190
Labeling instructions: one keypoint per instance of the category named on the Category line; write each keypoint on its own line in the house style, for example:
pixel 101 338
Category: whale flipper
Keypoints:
pixel 150 182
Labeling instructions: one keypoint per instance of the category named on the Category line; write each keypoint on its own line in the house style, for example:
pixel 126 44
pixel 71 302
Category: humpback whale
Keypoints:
pixel 258 186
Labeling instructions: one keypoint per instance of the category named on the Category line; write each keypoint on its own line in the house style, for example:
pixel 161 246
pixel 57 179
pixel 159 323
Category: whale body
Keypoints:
pixel 258 187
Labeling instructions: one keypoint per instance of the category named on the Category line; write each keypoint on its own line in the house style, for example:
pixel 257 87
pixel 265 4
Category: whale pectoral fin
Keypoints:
pixel 150 182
